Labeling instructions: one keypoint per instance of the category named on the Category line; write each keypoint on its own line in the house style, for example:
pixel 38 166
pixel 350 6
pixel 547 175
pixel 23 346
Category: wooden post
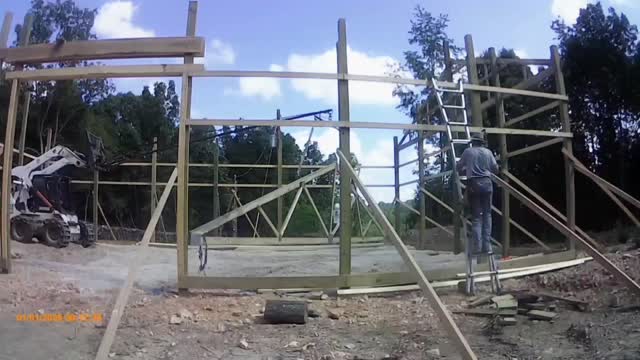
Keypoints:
pixel 154 175
pixel 234 222
pixel 569 172
pixel 504 166
pixel 345 148
pixel 5 31
pixel 5 210
pixel 96 181
pixel 279 202
pixel 421 199
pixel 472 72
pixel 396 184
pixel 216 182
pixel 182 213
pixel 25 34
pixel 48 144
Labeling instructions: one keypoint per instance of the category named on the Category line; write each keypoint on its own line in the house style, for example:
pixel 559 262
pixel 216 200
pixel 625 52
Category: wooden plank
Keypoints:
pixel 601 259
pixel 505 227
pixel 279 174
pixel 315 209
pixel 205 228
pixel 133 270
pixel 5 243
pixel 519 89
pixel 445 318
pixel 472 76
pixel 104 71
pixel 292 208
pixel 584 170
pixel 372 125
pixel 537 146
pixel 154 177
pixel 540 110
pixel 104 218
pixel 268 241
pixel 25 35
pixel 487 312
pixel 422 206
pixel 156 47
pixel 345 147
pixel 182 190
pixel 246 215
pixel 6 29
pixel 551 208
pixel 396 182
pixel 269 222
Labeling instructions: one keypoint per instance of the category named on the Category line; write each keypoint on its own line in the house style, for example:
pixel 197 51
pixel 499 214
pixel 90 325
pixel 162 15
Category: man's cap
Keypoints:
pixel 477 138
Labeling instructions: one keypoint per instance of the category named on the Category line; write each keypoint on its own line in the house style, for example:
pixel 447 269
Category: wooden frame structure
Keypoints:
pixel 487 86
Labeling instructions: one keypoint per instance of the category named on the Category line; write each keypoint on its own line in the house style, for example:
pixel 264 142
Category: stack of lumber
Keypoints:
pixel 510 307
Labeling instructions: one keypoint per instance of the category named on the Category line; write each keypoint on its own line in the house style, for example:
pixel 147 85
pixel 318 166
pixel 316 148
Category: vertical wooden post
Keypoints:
pixel 421 198
pixel 5 31
pixel 48 144
pixel 345 148
pixel 154 178
pixel 182 213
pixel 472 72
pixel 5 210
pixel 569 171
pixel 280 199
pixel 234 222
pixel 216 181
pixel 396 184
pixel 25 34
pixel 502 141
pixel 96 181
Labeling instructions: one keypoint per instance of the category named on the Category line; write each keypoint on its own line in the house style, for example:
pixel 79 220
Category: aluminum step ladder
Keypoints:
pixel 456 103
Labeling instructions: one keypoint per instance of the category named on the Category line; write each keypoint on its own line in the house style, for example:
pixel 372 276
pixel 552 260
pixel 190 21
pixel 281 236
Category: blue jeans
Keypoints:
pixel 480 193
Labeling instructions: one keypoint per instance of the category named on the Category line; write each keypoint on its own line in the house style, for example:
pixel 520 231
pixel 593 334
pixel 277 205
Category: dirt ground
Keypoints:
pixel 228 324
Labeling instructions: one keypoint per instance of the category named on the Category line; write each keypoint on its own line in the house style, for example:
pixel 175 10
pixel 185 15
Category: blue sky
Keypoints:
pixel 301 35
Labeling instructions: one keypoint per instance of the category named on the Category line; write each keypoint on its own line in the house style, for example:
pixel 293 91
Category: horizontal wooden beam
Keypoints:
pixel 102 72
pixel 535 147
pixel 370 125
pixel 519 89
pixel 246 166
pixel 146 183
pixel 593 252
pixel 540 110
pixel 106 49
pixel 500 61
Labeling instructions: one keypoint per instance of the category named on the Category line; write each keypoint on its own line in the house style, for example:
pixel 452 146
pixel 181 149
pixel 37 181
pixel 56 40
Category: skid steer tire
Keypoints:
pixel 21 230
pixel 86 235
pixel 55 234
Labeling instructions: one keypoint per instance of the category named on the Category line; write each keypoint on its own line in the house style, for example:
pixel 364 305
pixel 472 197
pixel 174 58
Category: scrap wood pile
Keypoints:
pixel 508 309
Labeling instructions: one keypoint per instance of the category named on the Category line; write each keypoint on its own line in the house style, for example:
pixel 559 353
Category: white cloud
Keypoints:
pixel 265 88
pixel 364 93
pixel 568 10
pixel 521 53
pixel 115 20
pixel 217 53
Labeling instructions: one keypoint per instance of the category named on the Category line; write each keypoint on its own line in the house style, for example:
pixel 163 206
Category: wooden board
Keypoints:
pixel 106 49
pixel 101 72
pixel 438 306
pixel 601 259
pixel 125 291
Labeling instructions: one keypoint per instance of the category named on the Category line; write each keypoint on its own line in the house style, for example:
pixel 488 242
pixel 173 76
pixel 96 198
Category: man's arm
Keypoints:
pixel 494 164
pixel 460 165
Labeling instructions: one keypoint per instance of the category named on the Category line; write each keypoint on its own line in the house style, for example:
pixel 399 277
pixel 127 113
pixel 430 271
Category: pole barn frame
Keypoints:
pixel 189 46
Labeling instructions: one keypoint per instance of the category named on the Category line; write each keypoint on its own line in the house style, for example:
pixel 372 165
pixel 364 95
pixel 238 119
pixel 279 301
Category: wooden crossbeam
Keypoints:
pixel 156 47
pixel 537 146
pixel 438 306
pixel 592 251
pixel 101 72
pixel 125 291
pixel 540 110
pixel 315 209
pixel 205 228
pixel 292 208
pixel 519 88
pixel 246 215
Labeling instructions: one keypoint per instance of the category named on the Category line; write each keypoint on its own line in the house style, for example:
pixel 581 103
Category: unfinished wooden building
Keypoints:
pixel 484 92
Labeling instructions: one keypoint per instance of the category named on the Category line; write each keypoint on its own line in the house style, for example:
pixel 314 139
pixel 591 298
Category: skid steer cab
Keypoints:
pixel 41 206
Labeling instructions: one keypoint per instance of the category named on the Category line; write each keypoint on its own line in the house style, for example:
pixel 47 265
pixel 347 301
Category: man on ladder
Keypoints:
pixel 478 163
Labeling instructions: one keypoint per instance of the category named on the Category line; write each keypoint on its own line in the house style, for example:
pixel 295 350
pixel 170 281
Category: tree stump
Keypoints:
pixel 285 312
